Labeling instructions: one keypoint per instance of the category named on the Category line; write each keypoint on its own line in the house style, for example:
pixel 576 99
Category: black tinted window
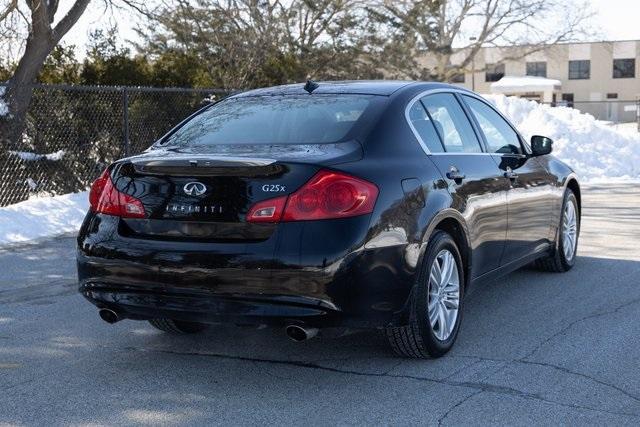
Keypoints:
pixel 624 68
pixel 501 138
pixel 273 120
pixel 579 69
pixel 451 123
pixel 538 69
pixel 423 125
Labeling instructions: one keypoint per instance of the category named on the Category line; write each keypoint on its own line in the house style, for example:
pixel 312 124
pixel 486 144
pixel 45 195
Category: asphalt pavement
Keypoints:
pixel 535 348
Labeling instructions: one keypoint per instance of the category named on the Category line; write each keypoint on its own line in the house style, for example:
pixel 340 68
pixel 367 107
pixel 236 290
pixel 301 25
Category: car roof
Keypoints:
pixel 359 87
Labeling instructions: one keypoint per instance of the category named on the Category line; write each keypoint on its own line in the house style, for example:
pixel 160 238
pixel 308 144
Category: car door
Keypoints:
pixel 531 194
pixel 476 184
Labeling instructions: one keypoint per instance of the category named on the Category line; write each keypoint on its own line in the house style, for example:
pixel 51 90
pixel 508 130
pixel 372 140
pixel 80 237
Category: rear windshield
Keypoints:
pixel 273 120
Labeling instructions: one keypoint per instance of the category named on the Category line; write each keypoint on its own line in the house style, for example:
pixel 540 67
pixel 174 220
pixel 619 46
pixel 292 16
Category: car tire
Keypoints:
pixel 177 327
pixel 562 260
pixel 420 338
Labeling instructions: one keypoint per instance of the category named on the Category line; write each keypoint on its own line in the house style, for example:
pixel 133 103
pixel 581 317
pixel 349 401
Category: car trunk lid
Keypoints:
pixel 206 193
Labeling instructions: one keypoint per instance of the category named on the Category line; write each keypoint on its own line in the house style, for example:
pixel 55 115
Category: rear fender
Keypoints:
pixel 445 216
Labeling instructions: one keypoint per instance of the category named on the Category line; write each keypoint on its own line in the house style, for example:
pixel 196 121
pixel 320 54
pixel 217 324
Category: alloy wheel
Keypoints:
pixel 569 230
pixel 444 294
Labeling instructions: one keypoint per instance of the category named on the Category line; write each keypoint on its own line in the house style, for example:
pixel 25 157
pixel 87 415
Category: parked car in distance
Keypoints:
pixel 364 204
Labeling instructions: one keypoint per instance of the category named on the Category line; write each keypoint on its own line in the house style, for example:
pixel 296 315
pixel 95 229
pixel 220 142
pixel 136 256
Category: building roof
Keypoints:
pixel 510 84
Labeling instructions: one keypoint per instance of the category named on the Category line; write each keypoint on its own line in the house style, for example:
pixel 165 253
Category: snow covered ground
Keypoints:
pixel 594 149
pixel 41 218
pixel 597 151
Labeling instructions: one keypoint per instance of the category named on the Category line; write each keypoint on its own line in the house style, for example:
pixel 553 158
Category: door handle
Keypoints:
pixel 510 174
pixel 455 175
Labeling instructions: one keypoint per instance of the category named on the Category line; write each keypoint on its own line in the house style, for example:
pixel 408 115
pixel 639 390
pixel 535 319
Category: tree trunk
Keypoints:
pixel 19 91
pixel 17 96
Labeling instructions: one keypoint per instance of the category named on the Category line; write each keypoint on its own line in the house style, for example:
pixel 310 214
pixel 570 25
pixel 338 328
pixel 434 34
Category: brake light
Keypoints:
pixel 105 198
pixel 327 195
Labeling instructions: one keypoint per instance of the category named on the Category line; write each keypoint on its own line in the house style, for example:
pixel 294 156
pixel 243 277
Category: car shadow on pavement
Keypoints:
pixel 566 340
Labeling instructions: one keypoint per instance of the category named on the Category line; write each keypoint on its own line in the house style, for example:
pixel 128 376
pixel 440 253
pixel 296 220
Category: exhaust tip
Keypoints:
pixel 108 315
pixel 298 333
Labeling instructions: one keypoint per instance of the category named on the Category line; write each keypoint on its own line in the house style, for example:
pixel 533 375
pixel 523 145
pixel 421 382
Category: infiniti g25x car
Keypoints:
pixel 328 205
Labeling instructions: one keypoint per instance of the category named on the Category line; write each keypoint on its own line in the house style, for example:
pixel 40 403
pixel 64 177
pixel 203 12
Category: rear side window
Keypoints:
pixel 501 138
pixel 424 127
pixel 273 120
pixel 451 123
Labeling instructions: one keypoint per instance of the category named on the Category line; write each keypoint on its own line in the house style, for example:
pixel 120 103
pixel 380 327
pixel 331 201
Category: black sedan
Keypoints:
pixel 327 205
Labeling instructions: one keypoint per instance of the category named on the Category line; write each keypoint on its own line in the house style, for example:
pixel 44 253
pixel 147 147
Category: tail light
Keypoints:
pixel 327 195
pixel 105 198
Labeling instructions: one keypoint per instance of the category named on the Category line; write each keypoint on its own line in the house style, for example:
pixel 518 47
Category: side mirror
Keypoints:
pixel 541 145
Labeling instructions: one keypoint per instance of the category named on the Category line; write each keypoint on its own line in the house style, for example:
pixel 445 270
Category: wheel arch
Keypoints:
pixel 452 222
pixel 572 184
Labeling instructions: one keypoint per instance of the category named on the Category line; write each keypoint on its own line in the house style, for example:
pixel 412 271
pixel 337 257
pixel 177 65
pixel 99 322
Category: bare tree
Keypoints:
pixel 246 43
pixel 38 16
pixel 444 28
pixel 326 38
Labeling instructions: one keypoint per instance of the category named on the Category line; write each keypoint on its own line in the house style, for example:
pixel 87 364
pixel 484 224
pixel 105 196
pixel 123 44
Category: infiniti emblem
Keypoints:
pixel 194 188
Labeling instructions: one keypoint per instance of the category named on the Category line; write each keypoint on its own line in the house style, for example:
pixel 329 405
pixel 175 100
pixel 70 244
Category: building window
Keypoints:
pixel 624 68
pixel 567 99
pixel 579 69
pixel 612 96
pixel 494 72
pixel 538 69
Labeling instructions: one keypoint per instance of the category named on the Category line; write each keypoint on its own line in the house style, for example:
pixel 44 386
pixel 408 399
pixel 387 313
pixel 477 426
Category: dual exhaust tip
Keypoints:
pixel 298 333
pixel 294 332
pixel 108 315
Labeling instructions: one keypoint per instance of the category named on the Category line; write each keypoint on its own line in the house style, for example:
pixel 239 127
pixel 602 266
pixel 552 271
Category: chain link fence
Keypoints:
pixel 72 133
pixel 617 113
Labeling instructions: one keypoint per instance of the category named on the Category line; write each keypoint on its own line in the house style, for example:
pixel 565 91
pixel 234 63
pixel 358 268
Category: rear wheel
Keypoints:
pixel 564 256
pixel 177 326
pixel 436 306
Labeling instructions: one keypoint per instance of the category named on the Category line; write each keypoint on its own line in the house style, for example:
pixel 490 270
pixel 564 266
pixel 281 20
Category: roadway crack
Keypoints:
pixel 458 404
pixel 580 374
pixel 555 367
pixel 582 319
pixel 478 387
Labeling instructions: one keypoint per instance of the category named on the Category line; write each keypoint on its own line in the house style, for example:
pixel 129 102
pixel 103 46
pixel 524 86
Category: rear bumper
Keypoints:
pixel 136 303
pixel 301 274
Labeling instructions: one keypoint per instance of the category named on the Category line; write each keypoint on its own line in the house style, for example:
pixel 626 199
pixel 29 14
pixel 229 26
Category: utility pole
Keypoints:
pixel 638 111
pixel 473 66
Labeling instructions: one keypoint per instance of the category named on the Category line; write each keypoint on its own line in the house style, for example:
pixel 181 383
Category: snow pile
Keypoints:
pixel 530 83
pixel 32 157
pixel 593 149
pixel 4 108
pixel 42 218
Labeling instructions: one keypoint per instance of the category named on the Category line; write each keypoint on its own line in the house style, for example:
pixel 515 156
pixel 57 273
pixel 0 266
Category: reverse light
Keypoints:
pixel 105 198
pixel 327 195
pixel 267 210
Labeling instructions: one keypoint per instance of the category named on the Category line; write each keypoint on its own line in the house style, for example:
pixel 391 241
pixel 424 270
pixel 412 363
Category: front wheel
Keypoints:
pixel 564 256
pixel 436 306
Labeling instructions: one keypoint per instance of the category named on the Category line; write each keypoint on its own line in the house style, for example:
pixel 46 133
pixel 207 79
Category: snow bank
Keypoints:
pixel 593 149
pixel 530 83
pixel 596 151
pixel 32 157
pixel 42 218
